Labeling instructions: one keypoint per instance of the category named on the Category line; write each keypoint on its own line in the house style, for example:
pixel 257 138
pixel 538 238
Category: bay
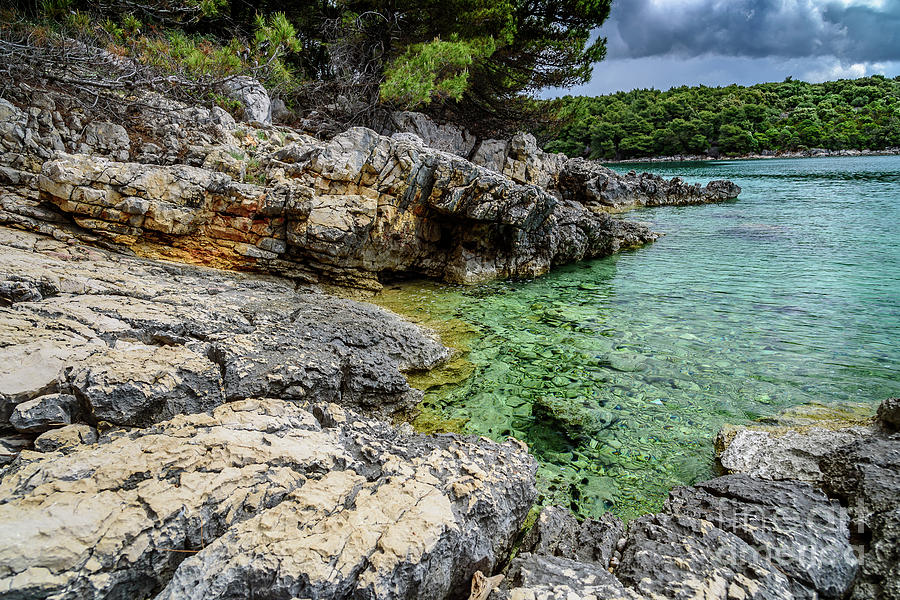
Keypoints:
pixel 619 372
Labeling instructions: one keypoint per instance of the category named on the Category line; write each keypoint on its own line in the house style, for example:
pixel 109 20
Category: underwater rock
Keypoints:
pixel 576 418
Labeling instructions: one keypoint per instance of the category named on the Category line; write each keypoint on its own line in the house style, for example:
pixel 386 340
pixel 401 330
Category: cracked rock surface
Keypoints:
pixel 260 499
pixel 136 342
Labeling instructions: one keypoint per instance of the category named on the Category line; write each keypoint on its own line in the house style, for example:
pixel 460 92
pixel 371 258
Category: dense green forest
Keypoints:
pixel 734 120
pixel 481 57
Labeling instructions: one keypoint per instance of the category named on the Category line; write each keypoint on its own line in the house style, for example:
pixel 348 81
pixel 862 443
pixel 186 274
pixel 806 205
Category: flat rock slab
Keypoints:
pixel 259 492
pixel 139 341
pixel 138 385
pixel 783 453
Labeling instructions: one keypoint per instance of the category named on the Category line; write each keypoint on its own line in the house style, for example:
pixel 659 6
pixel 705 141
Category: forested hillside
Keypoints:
pixel 791 115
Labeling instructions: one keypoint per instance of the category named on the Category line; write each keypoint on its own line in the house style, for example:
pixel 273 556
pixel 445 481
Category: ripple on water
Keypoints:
pixel 619 372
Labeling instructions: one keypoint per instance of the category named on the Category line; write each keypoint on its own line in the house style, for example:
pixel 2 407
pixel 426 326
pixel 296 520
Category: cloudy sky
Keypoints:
pixel 665 43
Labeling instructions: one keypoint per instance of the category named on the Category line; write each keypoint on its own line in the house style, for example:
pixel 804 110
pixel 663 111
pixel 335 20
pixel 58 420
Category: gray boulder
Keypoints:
pixel 784 453
pixel 866 476
pixel 556 578
pixel 107 139
pixel 44 413
pixel 440 136
pixel 138 385
pixel 557 533
pixel 789 523
pixel 11 445
pixel 675 556
pixel 889 414
pixel 253 96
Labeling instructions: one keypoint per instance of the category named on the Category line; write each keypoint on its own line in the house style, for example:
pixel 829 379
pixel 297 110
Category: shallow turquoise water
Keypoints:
pixel 619 372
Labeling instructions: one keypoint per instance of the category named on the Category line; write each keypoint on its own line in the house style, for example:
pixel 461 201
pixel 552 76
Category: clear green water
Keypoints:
pixel 619 372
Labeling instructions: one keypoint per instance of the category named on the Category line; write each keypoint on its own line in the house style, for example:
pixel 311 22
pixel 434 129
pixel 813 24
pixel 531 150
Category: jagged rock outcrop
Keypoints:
pixel 557 533
pixel 865 475
pixel 761 534
pixel 792 524
pixel 731 537
pixel 261 496
pixel 853 460
pixel 584 181
pixel 348 211
pixel 440 136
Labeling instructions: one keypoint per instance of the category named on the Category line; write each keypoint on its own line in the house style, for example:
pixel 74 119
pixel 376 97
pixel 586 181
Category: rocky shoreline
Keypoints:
pixel 184 413
pixel 185 432
pixel 346 212
pixel 811 153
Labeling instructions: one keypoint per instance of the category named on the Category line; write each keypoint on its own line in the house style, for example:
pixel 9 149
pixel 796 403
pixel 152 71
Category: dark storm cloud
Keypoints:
pixel 853 30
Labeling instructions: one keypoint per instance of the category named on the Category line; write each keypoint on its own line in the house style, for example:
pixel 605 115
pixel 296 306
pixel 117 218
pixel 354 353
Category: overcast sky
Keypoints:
pixel 666 43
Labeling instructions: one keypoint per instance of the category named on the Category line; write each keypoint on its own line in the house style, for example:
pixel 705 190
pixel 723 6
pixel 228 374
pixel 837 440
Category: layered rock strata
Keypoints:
pixel 102 339
pixel 350 211
pixel 138 462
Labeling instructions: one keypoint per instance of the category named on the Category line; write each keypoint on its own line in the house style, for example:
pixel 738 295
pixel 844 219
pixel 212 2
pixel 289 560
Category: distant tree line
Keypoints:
pixel 734 120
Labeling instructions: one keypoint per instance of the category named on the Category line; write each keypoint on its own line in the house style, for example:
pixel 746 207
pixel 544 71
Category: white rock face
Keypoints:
pixel 785 454
pixel 253 96
pixel 261 490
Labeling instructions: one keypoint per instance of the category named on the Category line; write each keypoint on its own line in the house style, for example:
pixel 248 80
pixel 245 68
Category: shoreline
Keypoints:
pixel 813 153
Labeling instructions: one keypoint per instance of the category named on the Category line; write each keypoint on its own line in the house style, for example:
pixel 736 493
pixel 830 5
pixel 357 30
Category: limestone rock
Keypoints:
pixel 603 189
pixel 43 413
pixel 139 341
pixel 557 533
pixel 879 577
pixel 139 385
pixel 675 556
pixel 866 475
pixel 533 577
pixel 791 524
pixel 108 139
pixel 344 212
pixel 11 445
pixel 253 96
pixel 260 491
pixel 444 137
pixel 785 453
pixel 889 414
pixel 30 359
pixel 65 438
